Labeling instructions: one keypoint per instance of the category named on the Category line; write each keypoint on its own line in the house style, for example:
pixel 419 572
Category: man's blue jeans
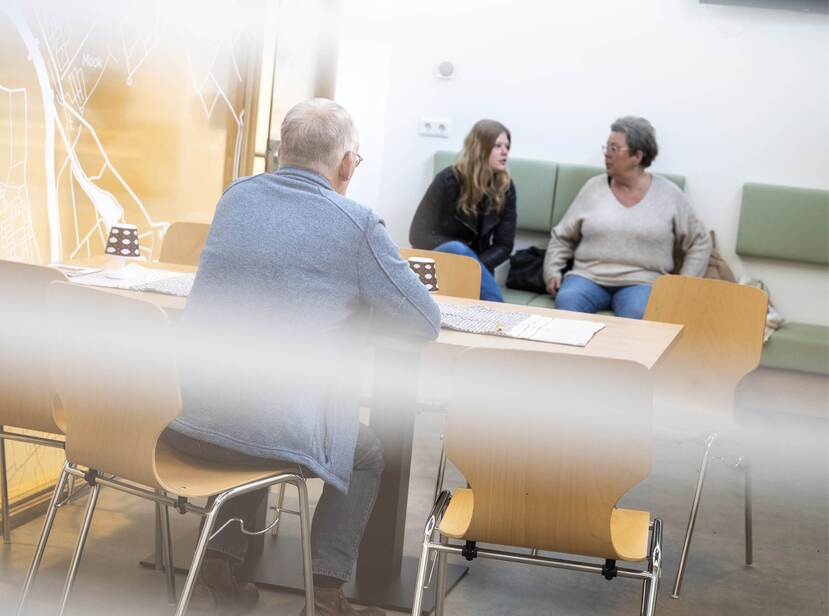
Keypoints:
pixel 490 291
pixel 582 295
pixel 339 519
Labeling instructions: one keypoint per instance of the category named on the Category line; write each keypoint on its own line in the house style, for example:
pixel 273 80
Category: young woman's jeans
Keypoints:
pixel 582 295
pixel 490 291
pixel 339 519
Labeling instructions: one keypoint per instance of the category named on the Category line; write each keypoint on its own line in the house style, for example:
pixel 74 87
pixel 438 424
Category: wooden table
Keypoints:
pixel 632 339
pixel 384 577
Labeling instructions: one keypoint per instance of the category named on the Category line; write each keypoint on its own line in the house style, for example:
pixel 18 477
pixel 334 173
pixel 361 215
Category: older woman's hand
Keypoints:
pixel 552 286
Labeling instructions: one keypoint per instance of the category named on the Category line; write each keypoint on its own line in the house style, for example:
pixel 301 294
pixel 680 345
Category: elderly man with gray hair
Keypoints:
pixel 290 264
pixel 623 230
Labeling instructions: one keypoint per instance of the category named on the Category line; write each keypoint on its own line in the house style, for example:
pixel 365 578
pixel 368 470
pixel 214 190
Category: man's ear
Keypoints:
pixel 346 168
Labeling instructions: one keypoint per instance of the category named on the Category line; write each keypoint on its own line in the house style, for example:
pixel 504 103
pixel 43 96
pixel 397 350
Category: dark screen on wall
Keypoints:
pixel 808 6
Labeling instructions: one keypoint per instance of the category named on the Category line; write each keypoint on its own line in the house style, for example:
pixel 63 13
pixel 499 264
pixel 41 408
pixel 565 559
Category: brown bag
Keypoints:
pixel 717 266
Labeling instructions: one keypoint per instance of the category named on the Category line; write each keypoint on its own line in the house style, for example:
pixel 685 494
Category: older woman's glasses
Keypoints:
pixel 612 149
pixel 359 159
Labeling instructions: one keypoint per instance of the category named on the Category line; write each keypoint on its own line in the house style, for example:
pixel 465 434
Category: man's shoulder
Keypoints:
pixel 247 185
pixel 362 215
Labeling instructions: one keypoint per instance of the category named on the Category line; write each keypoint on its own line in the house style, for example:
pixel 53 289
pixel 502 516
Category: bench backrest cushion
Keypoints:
pixel 783 222
pixel 571 178
pixel 535 184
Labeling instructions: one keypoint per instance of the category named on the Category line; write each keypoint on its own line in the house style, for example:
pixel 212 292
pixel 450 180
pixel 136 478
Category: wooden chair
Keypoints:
pixel 183 243
pixel 113 368
pixel 546 472
pixel 458 276
pixel 25 393
pixel 721 342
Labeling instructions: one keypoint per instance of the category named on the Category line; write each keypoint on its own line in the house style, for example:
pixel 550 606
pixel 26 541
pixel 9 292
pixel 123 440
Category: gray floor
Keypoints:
pixel 790 529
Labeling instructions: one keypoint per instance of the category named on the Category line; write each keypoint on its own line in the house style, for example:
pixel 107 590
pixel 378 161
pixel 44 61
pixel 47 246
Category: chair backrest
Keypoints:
pixel 25 391
pixel 458 276
pixel 183 243
pixel 721 341
pixel 113 369
pixel 547 466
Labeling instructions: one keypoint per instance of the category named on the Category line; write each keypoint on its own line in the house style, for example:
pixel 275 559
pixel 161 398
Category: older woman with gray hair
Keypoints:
pixel 622 231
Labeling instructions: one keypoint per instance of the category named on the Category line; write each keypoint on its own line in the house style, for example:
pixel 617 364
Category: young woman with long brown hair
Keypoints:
pixel 469 208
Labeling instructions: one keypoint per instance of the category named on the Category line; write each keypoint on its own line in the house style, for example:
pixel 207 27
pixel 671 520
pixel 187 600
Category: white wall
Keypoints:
pixel 736 95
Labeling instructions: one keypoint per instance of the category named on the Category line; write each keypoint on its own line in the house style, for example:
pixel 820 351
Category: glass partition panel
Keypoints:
pixel 116 111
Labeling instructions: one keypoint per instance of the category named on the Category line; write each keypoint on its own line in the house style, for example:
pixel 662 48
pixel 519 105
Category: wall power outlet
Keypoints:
pixel 433 127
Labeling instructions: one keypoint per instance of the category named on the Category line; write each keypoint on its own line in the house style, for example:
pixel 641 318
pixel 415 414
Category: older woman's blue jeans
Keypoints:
pixel 490 291
pixel 582 295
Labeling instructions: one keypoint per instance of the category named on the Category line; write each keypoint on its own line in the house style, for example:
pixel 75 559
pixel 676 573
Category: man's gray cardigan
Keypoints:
pixel 290 276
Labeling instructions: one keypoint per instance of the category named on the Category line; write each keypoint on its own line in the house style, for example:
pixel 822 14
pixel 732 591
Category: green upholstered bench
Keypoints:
pixel 545 191
pixel 788 224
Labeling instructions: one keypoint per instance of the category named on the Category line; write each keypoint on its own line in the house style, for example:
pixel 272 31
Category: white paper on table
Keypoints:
pixel 560 331
pixel 139 276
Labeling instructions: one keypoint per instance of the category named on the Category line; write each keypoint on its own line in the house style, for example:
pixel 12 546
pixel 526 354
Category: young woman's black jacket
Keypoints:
pixel 438 220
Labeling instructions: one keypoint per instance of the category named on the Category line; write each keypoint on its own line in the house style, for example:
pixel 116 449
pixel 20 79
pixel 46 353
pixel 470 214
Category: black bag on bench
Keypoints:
pixel 526 270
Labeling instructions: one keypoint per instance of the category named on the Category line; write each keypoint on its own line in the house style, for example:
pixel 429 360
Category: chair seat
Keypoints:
pixel 458 515
pixel 628 527
pixel 191 477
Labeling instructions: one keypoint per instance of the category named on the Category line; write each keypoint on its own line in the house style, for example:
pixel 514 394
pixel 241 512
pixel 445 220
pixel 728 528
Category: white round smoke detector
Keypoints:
pixel 446 70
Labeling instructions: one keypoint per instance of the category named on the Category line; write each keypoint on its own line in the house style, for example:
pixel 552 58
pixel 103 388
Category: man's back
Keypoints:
pixel 291 266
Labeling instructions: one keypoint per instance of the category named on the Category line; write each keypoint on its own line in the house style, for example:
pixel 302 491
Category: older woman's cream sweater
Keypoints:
pixel 614 245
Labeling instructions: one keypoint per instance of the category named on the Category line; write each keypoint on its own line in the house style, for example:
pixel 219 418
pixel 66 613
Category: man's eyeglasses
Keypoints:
pixel 359 159
pixel 613 149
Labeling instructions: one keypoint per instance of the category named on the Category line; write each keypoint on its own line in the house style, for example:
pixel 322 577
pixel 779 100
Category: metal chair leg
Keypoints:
pixel 43 539
pixel 70 491
pixel 655 568
pixel 441 473
pixel 431 523
pixel 646 583
pixel 440 585
pixel 417 602
pixel 198 557
pixel 280 500
pixel 749 539
pixel 4 492
pixel 159 540
pixel 76 556
pixel 169 564
pixel 689 531
pixel 646 588
pixel 305 532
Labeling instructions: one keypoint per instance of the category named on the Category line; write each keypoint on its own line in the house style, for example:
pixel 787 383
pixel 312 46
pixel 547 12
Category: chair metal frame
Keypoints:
pixel 443 547
pixel 5 435
pixel 34 279
pixel 743 463
pixel 721 342
pixel 93 409
pixel 182 505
